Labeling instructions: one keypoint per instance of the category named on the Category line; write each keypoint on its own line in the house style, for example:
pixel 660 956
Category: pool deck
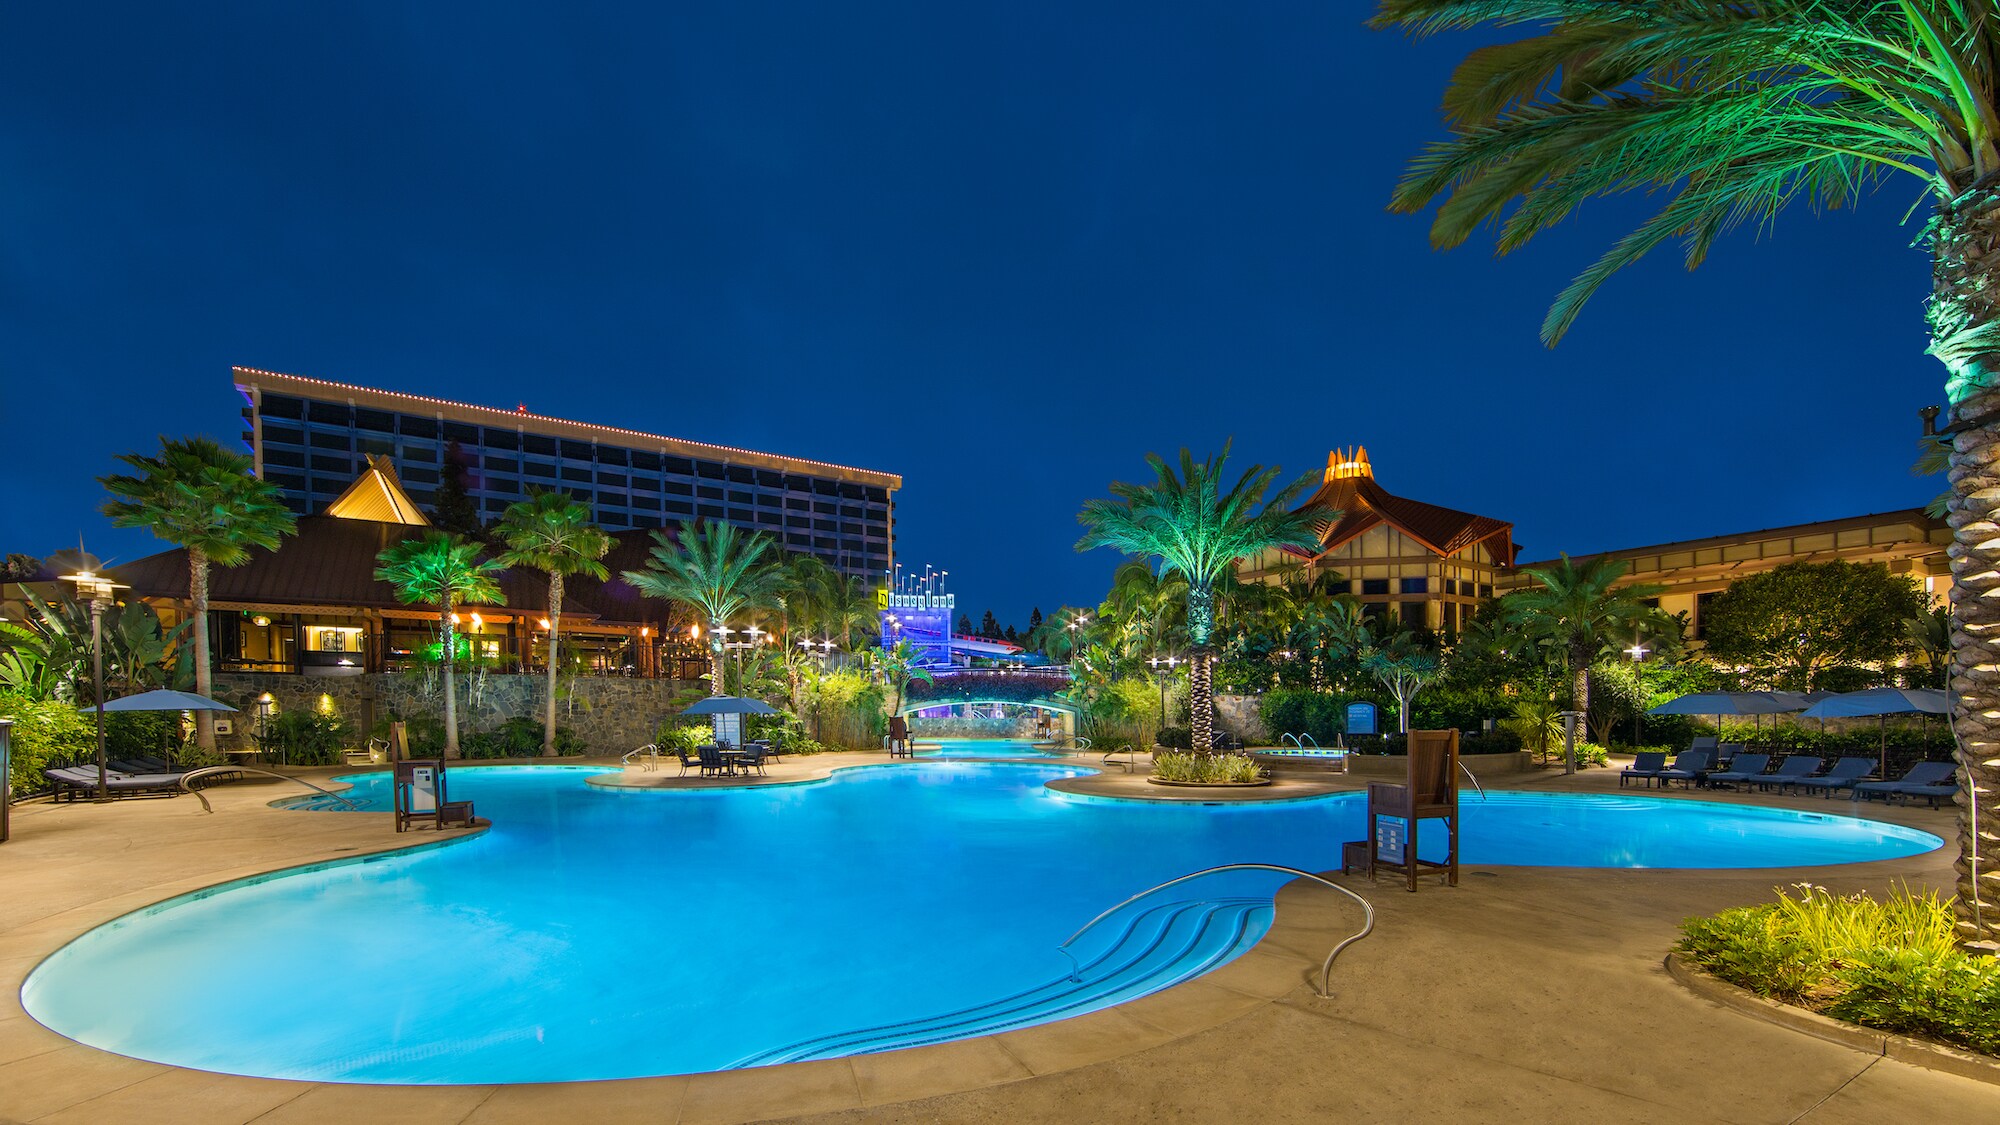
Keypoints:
pixel 1522 994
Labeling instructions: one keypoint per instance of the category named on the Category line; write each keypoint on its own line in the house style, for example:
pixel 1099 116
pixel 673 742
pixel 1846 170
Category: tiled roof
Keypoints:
pixel 1363 504
pixel 331 562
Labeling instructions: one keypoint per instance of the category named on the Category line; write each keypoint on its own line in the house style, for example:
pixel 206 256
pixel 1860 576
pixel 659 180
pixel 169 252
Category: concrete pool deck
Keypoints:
pixel 1522 994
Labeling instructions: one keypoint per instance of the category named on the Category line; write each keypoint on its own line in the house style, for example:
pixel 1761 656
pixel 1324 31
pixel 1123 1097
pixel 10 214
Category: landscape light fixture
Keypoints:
pixel 99 591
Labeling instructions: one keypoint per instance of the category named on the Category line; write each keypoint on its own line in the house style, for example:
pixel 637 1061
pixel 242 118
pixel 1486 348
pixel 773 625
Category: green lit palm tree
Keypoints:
pixel 551 532
pixel 444 571
pixel 1730 111
pixel 896 667
pixel 1197 525
pixel 715 570
pixel 1581 612
pixel 202 498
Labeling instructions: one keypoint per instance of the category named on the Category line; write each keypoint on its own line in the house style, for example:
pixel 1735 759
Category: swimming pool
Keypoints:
pixel 602 933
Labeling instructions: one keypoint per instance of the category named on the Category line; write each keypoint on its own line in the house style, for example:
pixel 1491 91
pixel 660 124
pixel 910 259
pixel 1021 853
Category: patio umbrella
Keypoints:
pixel 164 700
pixel 728 710
pixel 1881 703
pixel 1720 703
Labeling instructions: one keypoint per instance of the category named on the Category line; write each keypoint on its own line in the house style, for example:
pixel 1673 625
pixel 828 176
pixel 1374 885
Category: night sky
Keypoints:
pixel 1004 251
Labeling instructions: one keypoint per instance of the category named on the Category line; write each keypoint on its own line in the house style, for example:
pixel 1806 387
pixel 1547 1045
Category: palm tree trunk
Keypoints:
pixel 204 683
pixel 555 627
pixel 715 656
pixel 1963 308
pixel 1579 691
pixel 448 654
pixel 1201 669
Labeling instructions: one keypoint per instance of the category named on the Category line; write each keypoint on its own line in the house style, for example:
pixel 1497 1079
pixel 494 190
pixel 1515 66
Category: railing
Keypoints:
pixel 652 752
pixel 1326 967
pixel 1130 751
pixel 210 771
pixel 1299 741
pixel 1475 780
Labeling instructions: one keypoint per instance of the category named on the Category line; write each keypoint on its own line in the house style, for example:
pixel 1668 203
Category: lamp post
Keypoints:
pixel 1167 663
pixel 1638 653
pixel 1075 628
pixel 99 590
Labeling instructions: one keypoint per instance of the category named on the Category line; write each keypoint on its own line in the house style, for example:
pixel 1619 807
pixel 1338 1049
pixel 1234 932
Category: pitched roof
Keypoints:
pixel 1349 488
pixel 377 495
pixel 331 562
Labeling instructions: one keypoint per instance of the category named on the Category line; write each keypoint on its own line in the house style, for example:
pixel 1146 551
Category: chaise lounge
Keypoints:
pixel 70 782
pixel 1745 769
pixel 1646 765
pixel 1791 771
pixel 1925 779
pixel 1690 768
pixel 1844 775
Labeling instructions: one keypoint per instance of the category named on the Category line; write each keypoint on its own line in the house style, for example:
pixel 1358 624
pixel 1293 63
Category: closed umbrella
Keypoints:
pixel 1881 703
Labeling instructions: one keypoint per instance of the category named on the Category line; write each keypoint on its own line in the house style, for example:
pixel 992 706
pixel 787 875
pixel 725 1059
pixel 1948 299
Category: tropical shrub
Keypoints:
pixel 520 737
pixel 846 710
pixel 1893 964
pixel 1176 738
pixel 682 736
pixel 46 733
pixel 305 737
pixel 1206 768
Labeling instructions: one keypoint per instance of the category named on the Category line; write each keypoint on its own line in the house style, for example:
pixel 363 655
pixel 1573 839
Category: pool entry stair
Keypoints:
pixel 1162 946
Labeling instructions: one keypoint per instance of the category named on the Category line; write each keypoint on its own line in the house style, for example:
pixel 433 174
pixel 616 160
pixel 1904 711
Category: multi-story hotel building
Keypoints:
pixel 311 438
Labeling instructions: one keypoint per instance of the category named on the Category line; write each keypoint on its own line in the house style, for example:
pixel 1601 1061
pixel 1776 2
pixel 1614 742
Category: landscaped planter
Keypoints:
pixel 1210 784
pixel 1481 765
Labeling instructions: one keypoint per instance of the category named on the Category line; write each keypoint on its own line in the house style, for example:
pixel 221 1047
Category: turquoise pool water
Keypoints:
pixel 981 748
pixel 598 933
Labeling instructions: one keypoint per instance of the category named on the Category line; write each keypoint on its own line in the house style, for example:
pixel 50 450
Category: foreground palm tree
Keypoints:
pixel 552 532
pixel 1193 527
pixel 1730 111
pixel 202 498
pixel 1580 611
pixel 716 570
pixel 443 570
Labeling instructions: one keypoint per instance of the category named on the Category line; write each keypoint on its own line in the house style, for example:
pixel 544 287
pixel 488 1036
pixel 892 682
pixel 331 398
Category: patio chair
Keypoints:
pixel 1922 776
pixel 770 749
pixel 713 764
pixel 689 762
pixel 1844 774
pixel 1791 771
pixel 753 757
pixel 1646 764
pixel 1690 768
pixel 1744 768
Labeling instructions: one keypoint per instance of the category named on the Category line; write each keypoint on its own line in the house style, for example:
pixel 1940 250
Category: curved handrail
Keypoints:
pixel 1475 780
pixel 651 750
pixel 1130 751
pixel 1311 739
pixel 1326 967
pixel 1288 736
pixel 208 771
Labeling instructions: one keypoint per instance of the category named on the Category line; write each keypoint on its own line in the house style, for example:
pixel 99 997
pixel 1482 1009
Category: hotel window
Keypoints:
pixel 415 452
pixel 645 521
pixel 615 499
pixel 412 426
pixel 535 469
pixel 770 479
pixel 680 465
pixel 610 455
pixel 736 497
pixel 284 457
pixel 678 508
pixel 339 466
pixel 651 503
pixel 708 470
pixel 505 484
pixel 709 512
pixel 502 464
pixel 321 440
pixel 798 505
pixel 581 476
pixel 1416 585
pixel 770 517
pixel 502 439
pixel 380 421
pixel 679 489
pixel 611 519
pixel 461 433
pixel 1374 586
pixel 741 475
pixel 825 487
pixel 495 504
pixel 291 481
pixel 1486 591
pixel 536 443
pixel 708 493
pixel 797 541
pixel 420 475
pixel 285 434
pixel 575 451
pixel 283 406
pixel 646 483
pixel 329 414
pixel 615 479
pixel 647 462
pixel 742 515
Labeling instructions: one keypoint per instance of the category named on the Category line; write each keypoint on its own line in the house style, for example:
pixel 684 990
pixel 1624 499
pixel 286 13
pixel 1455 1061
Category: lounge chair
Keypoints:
pixel 1921 780
pixel 1690 768
pixel 689 762
pixel 1743 768
pixel 1703 742
pixel 1725 754
pixel 770 749
pixel 1791 771
pixel 1646 764
pixel 1844 774
pixel 70 782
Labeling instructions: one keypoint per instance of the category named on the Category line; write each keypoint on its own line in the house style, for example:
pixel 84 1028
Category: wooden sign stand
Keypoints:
pixel 1430 792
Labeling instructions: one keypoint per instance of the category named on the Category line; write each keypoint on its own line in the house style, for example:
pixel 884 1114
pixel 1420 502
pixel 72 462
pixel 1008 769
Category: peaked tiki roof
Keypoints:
pixel 1349 488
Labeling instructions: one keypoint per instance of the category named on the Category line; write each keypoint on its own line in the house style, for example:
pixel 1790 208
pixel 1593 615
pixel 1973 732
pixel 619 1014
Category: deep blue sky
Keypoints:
pixel 1002 250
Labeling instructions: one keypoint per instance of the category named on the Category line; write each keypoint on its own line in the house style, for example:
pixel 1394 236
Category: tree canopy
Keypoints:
pixel 1804 619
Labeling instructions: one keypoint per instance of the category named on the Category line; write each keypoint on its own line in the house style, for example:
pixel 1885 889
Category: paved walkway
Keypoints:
pixel 1521 995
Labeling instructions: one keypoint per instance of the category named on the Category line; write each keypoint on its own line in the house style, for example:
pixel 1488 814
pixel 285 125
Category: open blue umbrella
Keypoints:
pixel 1882 702
pixel 731 705
pixel 1720 703
pixel 163 700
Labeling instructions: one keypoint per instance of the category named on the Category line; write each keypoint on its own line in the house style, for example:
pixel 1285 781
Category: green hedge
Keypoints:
pixel 519 737
pixel 46 732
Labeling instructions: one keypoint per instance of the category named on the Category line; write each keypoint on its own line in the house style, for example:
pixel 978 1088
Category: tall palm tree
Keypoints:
pixel 1197 526
pixel 1730 111
pixel 551 532
pixel 1581 611
pixel 200 497
pixel 442 570
pixel 715 569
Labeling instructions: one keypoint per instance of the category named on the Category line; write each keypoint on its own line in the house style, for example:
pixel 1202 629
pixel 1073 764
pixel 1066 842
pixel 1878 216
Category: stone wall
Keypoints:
pixel 1243 717
pixel 1021 726
pixel 611 714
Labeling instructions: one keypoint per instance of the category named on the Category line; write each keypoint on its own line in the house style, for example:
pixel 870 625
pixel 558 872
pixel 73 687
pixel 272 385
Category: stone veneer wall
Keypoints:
pixel 972 727
pixel 1242 716
pixel 611 714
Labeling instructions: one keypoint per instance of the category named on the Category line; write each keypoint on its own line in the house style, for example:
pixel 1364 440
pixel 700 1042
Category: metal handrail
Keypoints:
pixel 1294 739
pixel 1309 738
pixel 1130 751
pixel 207 771
pixel 1475 780
pixel 1326 967
pixel 651 750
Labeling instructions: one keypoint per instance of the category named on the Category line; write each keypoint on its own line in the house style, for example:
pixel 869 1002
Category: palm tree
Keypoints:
pixel 199 497
pixel 1402 664
pixel 713 568
pixel 1731 111
pixel 1193 527
pixel 1929 636
pixel 1580 611
pixel 551 532
pixel 896 667
pixel 444 570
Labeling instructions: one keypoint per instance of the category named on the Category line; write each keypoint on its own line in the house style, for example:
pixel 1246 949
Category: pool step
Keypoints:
pixel 1163 946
